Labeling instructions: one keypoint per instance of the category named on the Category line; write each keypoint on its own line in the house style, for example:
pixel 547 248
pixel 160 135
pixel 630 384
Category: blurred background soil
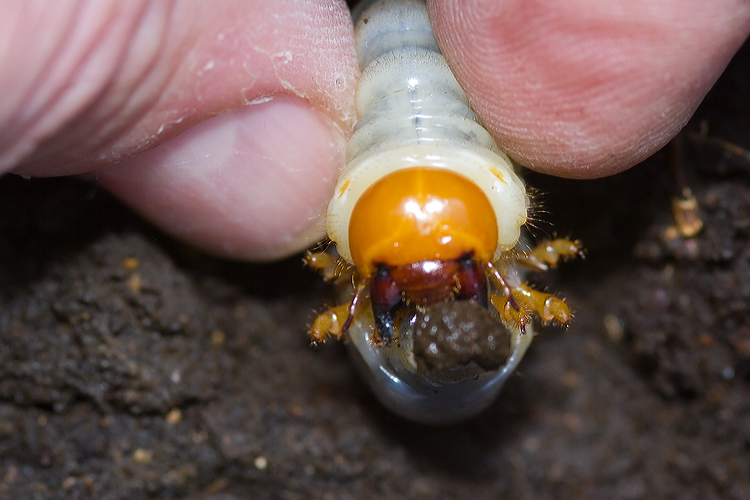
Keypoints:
pixel 133 367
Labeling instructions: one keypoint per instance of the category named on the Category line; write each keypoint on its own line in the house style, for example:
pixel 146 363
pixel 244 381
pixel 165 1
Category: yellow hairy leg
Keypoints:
pixel 517 304
pixel 335 320
pixel 329 266
pixel 549 253
pixel 330 323
pixel 528 301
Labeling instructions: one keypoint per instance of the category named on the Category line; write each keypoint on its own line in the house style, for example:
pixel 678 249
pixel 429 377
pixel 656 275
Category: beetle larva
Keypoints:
pixel 426 218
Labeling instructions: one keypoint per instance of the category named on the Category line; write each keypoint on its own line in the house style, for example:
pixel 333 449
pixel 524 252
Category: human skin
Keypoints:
pixel 225 123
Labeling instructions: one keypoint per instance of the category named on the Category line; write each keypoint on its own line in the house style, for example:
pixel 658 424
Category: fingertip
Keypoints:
pixel 251 184
pixel 585 89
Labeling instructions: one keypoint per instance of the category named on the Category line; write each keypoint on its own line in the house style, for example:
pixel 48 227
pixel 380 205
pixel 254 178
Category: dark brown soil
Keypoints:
pixel 459 334
pixel 132 367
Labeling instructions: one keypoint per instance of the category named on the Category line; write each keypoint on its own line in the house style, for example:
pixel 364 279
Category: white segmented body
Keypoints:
pixel 412 112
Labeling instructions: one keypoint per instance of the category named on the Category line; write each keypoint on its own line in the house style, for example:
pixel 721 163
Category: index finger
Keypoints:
pixel 583 88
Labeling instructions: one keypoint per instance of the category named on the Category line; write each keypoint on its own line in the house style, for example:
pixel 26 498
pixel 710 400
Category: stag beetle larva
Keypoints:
pixel 427 218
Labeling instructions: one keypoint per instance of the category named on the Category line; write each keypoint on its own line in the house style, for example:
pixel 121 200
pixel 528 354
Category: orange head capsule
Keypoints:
pixel 421 214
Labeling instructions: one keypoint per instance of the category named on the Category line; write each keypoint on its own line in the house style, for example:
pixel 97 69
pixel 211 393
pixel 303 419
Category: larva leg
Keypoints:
pixel 529 301
pixel 330 323
pixel 337 320
pixel 332 268
pixel 549 253
pixel 519 302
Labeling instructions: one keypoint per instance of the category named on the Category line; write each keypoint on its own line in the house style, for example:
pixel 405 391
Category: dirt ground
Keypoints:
pixel 133 367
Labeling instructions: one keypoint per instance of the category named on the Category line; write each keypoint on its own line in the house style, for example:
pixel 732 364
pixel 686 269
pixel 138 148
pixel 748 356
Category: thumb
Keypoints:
pixel 221 122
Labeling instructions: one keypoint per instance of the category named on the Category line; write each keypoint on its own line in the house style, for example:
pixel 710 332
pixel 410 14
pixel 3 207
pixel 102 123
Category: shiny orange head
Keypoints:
pixel 421 214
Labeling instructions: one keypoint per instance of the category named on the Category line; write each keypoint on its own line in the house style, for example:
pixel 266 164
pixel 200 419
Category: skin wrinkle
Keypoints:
pixel 147 91
pixel 13 143
pixel 108 94
pixel 146 59
pixel 69 61
pixel 121 96
pixel 289 69
pixel 20 84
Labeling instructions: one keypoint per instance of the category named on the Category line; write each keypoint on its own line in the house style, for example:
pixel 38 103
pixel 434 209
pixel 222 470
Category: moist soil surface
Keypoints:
pixel 134 367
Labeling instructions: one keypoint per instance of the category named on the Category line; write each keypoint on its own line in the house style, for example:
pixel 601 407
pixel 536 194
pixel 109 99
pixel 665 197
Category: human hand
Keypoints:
pixel 105 87
pixel 579 90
